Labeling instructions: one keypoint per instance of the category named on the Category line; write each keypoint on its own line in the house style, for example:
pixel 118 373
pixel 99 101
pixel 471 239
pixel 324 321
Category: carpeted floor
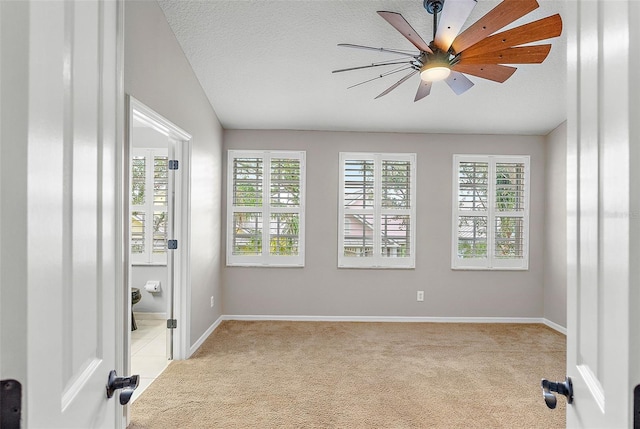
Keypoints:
pixel 360 375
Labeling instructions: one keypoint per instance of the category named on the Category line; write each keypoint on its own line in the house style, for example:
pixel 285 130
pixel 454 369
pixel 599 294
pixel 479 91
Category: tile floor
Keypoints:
pixel 148 351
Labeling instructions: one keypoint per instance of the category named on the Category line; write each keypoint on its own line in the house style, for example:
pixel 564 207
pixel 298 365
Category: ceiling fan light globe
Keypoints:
pixel 434 73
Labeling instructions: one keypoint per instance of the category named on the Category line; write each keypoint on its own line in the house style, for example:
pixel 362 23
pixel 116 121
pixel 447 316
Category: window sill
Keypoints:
pixel 489 269
pixel 148 264
pixel 264 266
pixel 380 267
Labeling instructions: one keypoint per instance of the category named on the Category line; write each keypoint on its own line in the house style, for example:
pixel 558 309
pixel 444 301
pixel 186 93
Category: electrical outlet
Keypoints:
pixel 420 295
pixel 212 301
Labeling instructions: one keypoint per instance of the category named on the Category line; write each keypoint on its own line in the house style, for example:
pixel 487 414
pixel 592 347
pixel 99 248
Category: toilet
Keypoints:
pixel 136 296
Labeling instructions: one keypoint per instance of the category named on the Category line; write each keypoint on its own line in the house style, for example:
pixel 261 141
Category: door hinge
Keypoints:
pixel 172 244
pixel 11 400
pixel 173 164
pixel 636 407
pixel 172 323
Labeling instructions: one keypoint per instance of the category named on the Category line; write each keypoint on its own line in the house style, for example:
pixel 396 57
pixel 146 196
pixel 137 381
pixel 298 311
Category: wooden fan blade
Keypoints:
pixel 398 83
pixel 520 55
pixel 371 65
pixel 494 72
pixel 423 90
pixel 399 23
pixel 541 29
pixel 458 82
pixel 498 17
pixel 453 16
pixel 371 48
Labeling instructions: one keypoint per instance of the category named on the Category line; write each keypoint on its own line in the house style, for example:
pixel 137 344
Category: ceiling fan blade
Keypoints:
pixel 541 29
pixel 494 72
pixel 521 55
pixel 399 23
pixel 423 90
pixel 372 65
pixel 380 76
pixel 370 48
pixel 458 82
pixel 498 17
pixel 395 85
pixel 453 16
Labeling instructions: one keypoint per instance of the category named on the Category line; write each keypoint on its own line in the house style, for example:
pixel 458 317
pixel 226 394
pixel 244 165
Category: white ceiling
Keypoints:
pixel 267 65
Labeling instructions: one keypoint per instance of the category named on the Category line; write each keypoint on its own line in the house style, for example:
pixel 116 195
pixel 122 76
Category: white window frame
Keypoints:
pixel 490 262
pixel 266 259
pixel 149 257
pixel 377 260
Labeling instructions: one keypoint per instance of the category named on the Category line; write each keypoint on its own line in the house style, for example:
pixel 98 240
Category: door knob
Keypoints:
pixel 127 384
pixel 565 388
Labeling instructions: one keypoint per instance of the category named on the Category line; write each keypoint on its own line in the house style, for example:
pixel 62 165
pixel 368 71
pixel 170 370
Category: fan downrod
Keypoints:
pixel 433 6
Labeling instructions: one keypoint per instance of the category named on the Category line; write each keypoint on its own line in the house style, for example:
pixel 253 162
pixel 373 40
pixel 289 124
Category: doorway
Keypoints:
pixel 157 200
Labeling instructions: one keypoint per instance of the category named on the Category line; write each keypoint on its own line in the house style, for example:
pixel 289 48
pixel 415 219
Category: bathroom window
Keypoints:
pixel 490 212
pixel 149 197
pixel 265 208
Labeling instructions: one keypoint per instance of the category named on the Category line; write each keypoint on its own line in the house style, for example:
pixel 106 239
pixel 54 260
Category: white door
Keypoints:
pixel 603 195
pixel 73 223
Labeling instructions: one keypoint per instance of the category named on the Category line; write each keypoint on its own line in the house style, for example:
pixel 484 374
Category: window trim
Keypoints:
pixel 377 261
pixel 490 262
pixel 265 260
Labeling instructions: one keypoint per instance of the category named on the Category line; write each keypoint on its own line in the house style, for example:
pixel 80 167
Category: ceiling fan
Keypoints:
pixel 476 51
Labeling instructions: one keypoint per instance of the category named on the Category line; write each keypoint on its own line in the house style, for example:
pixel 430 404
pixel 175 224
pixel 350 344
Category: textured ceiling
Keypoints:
pixel 267 65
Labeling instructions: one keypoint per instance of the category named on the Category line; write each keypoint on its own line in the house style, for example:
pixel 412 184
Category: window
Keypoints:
pixel 265 208
pixel 149 197
pixel 377 210
pixel 490 212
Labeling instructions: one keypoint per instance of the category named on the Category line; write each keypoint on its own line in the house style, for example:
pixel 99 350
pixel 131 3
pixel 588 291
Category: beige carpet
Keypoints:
pixel 360 375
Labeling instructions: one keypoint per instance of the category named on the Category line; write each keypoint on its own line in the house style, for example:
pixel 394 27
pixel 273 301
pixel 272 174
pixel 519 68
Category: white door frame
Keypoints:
pixel 181 140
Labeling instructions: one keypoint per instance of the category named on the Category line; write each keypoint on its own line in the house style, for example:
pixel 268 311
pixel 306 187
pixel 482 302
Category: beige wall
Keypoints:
pixel 158 74
pixel 321 289
pixel 555 231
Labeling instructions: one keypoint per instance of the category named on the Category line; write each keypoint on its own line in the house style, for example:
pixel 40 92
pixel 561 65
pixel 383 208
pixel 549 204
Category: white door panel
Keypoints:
pixel 601 252
pixel 72 214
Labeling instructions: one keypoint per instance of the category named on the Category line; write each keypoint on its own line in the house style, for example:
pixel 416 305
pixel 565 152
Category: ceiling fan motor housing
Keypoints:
pixel 439 57
pixel 433 6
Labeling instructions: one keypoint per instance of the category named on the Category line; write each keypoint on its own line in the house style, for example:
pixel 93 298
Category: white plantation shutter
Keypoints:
pixel 395 208
pixel 377 210
pixel 490 212
pixel 284 226
pixel 248 175
pixel 472 197
pixel 138 228
pixel 265 208
pixel 149 197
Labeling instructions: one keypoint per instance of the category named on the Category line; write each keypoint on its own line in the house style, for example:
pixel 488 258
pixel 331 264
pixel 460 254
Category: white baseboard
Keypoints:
pixel 204 336
pixel 385 319
pixel 149 316
pixel 555 326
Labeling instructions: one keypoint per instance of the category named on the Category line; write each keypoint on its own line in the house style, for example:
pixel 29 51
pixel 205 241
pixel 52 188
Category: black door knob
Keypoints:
pixel 565 388
pixel 127 384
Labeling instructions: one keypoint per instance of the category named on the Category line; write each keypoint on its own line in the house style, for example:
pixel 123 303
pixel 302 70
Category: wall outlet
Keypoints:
pixel 212 302
pixel 420 295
